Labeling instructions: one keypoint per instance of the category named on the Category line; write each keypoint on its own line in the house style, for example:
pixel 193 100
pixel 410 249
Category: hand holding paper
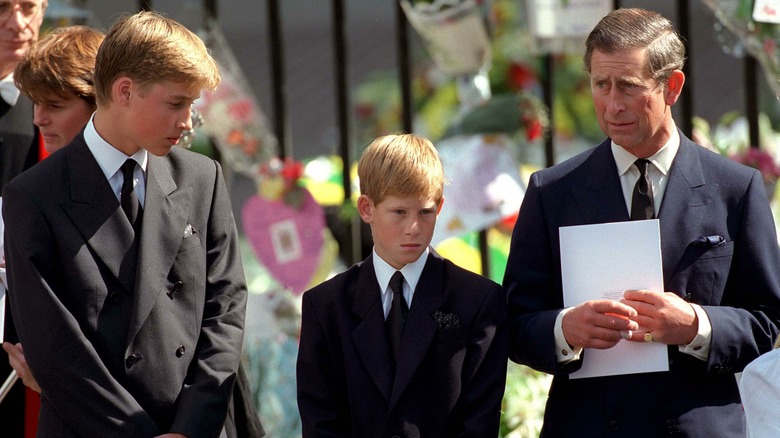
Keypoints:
pixel 598 323
pixel 668 317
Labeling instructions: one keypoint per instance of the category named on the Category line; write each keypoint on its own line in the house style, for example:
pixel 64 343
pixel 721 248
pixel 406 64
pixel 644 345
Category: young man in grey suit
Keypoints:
pixel 720 307
pixel 131 294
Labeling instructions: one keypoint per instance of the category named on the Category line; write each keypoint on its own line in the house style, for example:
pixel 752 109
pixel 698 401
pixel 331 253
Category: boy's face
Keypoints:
pixel 60 119
pixel 158 115
pixel 402 227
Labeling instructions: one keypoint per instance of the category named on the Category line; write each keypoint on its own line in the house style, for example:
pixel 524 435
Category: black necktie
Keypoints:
pixel 396 319
pixel 128 198
pixel 642 205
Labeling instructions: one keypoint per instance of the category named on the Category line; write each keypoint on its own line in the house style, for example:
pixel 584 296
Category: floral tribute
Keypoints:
pixel 761 160
pixel 235 122
pixel 759 39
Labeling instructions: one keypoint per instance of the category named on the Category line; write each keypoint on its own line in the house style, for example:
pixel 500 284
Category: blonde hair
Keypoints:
pixel 149 48
pixel 62 63
pixel 401 165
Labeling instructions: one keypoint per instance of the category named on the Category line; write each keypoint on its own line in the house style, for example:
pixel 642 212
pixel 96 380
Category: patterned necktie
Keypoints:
pixel 642 204
pixel 128 198
pixel 396 318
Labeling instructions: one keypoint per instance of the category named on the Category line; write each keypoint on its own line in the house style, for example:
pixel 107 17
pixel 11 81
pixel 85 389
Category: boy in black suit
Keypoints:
pixel 404 343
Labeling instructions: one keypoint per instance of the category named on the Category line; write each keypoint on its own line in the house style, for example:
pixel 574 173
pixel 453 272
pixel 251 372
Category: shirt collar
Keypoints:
pixel 109 158
pixel 8 90
pixel 411 271
pixel 662 160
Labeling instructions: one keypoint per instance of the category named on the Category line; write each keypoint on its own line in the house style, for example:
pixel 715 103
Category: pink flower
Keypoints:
pixel 761 160
pixel 242 110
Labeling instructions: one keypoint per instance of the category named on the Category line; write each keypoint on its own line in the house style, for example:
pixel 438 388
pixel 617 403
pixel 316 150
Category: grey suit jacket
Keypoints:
pixel 121 349
pixel 735 279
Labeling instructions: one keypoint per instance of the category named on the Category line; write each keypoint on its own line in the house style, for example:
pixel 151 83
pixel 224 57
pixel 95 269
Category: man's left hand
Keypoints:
pixel 666 316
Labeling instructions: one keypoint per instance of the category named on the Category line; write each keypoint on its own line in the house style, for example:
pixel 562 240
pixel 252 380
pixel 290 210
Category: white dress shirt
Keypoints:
pixel 759 388
pixel 411 271
pixel 8 91
pixel 110 160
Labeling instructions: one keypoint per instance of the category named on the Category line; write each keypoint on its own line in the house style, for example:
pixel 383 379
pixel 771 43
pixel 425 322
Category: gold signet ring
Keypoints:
pixel 648 337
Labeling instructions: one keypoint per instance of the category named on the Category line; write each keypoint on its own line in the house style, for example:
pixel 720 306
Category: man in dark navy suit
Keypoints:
pixel 720 255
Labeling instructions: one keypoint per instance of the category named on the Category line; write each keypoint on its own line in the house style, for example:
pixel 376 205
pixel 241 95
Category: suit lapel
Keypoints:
pixel 684 205
pixel 95 211
pixel 165 217
pixel 369 336
pixel 600 196
pixel 420 326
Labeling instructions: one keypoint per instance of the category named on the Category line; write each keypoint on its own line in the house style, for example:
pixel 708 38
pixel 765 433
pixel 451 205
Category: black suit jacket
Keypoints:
pixel 18 139
pixel 450 376
pixel 120 351
pixel 18 152
pixel 737 283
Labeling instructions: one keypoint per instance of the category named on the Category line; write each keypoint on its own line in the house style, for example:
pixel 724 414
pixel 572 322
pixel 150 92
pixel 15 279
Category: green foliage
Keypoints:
pixel 522 410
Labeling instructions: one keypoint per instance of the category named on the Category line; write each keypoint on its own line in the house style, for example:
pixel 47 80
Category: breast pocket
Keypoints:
pixel 704 279
pixel 189 242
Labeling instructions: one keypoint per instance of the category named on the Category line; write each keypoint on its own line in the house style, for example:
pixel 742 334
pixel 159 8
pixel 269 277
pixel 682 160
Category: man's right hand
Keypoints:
pixel 19 364
pixel 598 324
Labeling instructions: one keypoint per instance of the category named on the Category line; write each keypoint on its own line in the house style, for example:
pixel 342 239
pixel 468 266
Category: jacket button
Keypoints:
pixel 614 425
pixel 113 297
pixel 132 360
pixel 179 285
pixel 687 297
pixel 180 351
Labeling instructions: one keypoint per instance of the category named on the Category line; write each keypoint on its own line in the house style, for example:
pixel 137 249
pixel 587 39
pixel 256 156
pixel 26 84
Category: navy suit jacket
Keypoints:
pixel 737 283
pixel 450 375
pixel 119 348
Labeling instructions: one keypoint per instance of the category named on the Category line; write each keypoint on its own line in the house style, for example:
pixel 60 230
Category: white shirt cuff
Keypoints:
pixel 700 346
pixel 563 351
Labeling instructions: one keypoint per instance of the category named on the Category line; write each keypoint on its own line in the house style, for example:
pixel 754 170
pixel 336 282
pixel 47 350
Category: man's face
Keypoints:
pixel 60 119
pixel 632 108
pixel 20 22
pixel 402 227
pixel 156 117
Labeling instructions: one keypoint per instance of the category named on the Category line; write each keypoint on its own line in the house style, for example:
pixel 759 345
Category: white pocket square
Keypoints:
pixel 189 231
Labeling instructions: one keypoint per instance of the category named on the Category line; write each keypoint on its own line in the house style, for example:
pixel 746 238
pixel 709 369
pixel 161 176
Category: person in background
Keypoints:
pixel 56 75
pixel 131 298
pixel 405 343
pixel 720 307
pixel 759 387
pixel 20 24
